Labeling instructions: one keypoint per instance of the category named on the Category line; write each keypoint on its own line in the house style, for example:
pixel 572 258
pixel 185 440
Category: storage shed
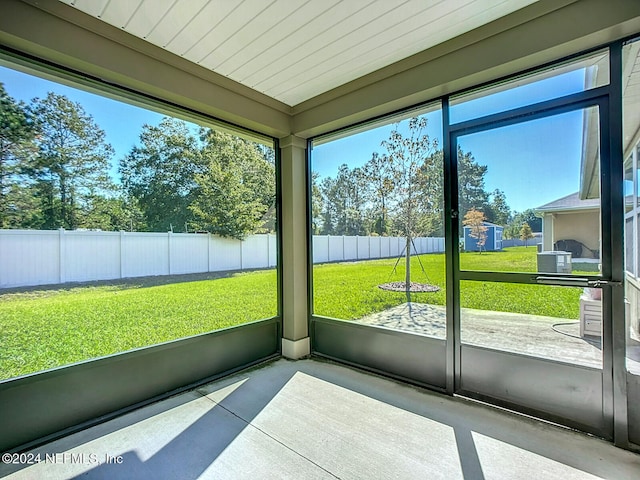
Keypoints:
pixel 493 242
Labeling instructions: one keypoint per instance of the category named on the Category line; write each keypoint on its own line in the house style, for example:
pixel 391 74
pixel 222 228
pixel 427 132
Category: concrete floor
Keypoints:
pixel 314 419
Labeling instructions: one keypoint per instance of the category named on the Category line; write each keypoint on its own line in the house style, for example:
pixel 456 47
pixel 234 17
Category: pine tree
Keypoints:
pixel 72 161
pixel 17 132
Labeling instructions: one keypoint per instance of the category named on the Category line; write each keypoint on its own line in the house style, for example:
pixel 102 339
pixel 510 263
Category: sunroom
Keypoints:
pixel 317 155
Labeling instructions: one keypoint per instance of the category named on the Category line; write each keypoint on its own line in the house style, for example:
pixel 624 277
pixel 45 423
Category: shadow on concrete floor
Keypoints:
pixel 315 419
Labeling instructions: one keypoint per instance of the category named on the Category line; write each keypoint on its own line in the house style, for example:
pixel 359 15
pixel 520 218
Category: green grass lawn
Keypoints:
pixel 513 259
pixel 349 290
pixel 49 328
pixel 42 329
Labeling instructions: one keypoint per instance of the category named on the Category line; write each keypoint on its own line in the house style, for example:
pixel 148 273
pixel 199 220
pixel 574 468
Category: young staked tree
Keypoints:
pixel 525 234
pixel 405 156
pixel 474 219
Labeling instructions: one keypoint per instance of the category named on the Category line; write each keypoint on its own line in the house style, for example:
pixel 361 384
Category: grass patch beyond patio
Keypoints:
pixel 46 328
pixel 350 290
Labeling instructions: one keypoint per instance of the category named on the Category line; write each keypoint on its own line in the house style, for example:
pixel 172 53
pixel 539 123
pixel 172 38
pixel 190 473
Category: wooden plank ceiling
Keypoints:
pixel 293 50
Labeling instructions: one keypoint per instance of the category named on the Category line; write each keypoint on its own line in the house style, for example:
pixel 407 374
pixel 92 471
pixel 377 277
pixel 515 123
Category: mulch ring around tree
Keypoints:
pixel 413 287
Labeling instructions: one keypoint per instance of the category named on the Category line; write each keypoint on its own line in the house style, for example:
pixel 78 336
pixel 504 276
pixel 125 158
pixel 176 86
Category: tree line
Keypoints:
pixel 399 191
pixel 55 167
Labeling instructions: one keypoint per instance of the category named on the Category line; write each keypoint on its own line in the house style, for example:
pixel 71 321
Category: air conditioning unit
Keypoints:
pixel 554 262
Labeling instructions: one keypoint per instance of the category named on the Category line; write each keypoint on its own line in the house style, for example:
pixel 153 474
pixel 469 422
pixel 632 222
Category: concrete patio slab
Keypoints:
pixel 547 337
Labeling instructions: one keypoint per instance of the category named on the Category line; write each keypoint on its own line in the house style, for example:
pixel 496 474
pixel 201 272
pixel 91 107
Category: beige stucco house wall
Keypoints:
pixel 581 226
pixel 570 218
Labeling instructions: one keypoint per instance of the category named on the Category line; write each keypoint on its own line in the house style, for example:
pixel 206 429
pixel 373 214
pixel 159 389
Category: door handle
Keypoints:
pixel 576 282
pixel 601 283
pixel 564 281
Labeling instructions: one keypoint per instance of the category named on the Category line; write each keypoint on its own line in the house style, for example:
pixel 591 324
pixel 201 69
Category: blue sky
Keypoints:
pixel 121 122
pixel 533 163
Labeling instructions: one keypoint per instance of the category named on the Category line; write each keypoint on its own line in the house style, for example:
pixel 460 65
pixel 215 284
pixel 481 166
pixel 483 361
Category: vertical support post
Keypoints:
pixel 634 166
pixel 452 252
pixel 547 231
pixel 295 312
pixel 614 335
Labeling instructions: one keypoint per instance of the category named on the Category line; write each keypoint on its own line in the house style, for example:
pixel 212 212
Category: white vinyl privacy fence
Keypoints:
pixel 41 257
pixel 331 248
